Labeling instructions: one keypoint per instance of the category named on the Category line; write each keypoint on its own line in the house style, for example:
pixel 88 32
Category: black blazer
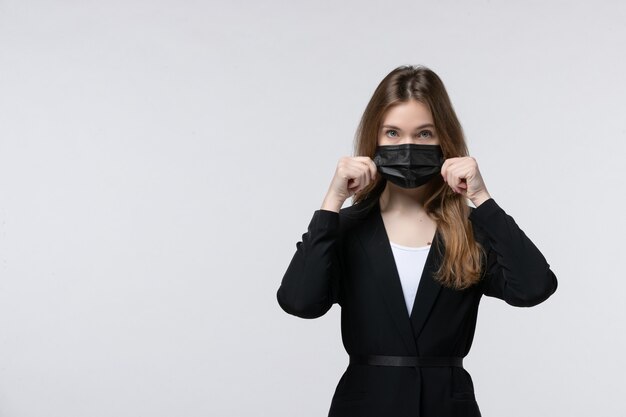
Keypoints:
pixel 346 258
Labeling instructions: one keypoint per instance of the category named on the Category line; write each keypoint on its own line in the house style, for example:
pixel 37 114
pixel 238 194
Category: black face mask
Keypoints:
pixel 409 165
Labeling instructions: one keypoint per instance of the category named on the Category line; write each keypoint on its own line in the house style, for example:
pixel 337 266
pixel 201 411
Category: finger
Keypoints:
pixel 373 168
pixel 464 172
pixel 361 158
pixel 449 173
pixel 457 173
pixel 357 174
pixel 459 181
pixel 447 168
pixel 364 172
pixel 352 175
pixel 353 185
pixel 366 175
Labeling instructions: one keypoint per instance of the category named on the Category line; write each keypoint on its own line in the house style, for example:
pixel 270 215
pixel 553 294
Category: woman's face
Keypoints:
pixel 409 122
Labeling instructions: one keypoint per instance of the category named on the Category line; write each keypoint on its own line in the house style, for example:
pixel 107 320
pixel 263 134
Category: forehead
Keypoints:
pixel 408 114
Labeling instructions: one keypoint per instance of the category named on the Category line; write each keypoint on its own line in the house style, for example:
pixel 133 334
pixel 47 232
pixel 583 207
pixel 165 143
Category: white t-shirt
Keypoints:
pixel 410 262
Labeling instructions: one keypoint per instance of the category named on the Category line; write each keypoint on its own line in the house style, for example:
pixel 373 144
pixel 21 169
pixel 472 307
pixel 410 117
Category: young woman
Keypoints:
pixel 409 260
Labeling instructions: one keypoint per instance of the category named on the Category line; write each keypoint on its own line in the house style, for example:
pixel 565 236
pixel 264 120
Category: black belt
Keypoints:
pixel 381 360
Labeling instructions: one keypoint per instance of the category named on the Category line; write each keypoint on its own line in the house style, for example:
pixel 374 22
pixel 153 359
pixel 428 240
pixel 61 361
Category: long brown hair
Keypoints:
pixel 461 265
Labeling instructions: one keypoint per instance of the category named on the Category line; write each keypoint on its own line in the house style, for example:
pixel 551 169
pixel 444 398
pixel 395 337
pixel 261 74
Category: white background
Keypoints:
pixel 159 160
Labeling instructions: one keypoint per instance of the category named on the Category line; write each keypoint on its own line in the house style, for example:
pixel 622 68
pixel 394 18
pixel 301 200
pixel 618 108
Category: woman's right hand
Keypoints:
pixel 353 174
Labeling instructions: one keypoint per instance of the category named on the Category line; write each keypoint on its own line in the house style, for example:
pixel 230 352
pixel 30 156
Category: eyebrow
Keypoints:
pixel 417 128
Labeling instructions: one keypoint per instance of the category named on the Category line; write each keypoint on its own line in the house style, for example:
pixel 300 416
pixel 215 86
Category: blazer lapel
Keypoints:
pixel 375 243
pixel 428 289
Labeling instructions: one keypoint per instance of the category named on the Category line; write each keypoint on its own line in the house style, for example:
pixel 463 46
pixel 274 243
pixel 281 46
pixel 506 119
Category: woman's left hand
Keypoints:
pixel 463 176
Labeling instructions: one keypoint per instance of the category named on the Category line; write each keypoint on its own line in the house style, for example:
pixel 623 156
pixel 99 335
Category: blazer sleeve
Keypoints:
pixel 516 271
pixel 311 284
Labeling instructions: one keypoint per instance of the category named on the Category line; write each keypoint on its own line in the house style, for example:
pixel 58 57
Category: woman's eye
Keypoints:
pixel 395 133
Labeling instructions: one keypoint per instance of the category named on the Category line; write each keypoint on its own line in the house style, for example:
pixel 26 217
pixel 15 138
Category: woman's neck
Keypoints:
pixel 402 200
